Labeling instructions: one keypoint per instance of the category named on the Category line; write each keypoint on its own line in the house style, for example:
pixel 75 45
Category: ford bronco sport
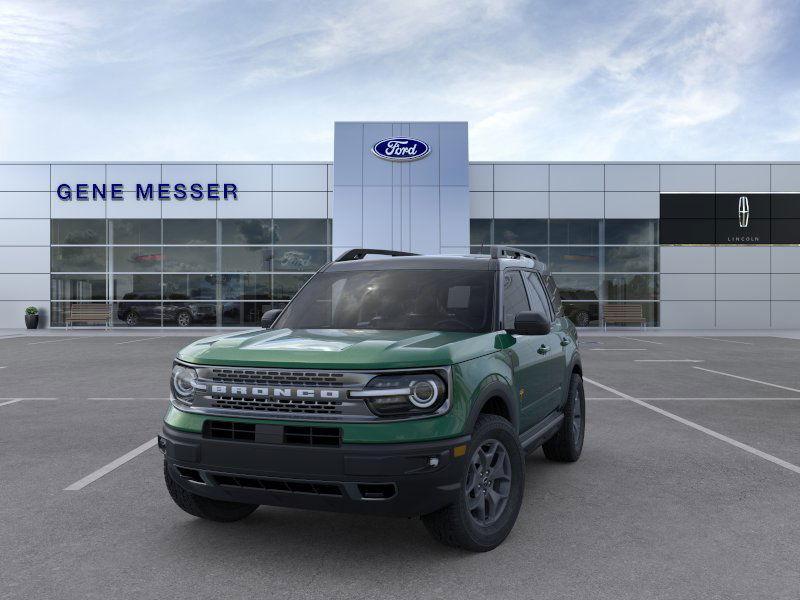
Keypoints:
pixel 391 384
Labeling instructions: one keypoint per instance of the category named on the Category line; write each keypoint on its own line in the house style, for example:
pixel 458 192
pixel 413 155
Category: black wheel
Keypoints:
pixel 206 508
pixel 491 490
pixel 184 319
pixel 132 318
pixel 566 445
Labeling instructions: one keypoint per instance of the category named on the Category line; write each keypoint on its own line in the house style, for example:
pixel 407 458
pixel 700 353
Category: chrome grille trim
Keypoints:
pixel 345 409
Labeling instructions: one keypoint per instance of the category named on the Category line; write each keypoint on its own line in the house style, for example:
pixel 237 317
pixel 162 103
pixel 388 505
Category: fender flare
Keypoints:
pixel 495 388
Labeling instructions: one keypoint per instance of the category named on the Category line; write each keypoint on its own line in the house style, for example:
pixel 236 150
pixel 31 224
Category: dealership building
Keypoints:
pixel 690 245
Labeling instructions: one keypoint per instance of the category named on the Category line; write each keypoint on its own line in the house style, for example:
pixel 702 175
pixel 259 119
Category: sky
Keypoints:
pixel 260 81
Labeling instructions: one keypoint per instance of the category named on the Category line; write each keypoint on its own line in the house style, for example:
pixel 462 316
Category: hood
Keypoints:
pixel 339 348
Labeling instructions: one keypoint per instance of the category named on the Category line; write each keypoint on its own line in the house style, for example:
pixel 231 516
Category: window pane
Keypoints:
pixel 246 231
pixel 631 258
pixel 582 314
pixel 78 287
pixel 245 287
pixel 650 312
pixel 190 287
pixel 536 295
pixel 246 314
pixel 574 231
pixel 480 232
pixel 515 232
pixel 578 287
pixel 189 314
pixel 631 287
pixel 136 259
pixel 137 287
pixel 542 252
pixel 300 258
pixel 247 259
pixel 299 231
pixel 78 231
pixel 576 259
pixel 190 231
pixel 201 260
pixel 133 313
pixel 284 287
pixel 631 231
pixel 515 299
pixel 91 259
pixel 136 231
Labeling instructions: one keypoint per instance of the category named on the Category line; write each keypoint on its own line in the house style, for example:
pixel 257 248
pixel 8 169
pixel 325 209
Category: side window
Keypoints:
pixel 539 302
pixel 555 295
pixel 515 298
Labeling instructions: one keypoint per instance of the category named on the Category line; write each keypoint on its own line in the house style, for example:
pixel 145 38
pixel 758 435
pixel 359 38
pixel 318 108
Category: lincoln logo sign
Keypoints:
pixel 744 211
pixel 401 149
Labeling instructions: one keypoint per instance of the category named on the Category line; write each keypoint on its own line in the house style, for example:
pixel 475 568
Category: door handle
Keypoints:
pixel 565 341
pixel 543 349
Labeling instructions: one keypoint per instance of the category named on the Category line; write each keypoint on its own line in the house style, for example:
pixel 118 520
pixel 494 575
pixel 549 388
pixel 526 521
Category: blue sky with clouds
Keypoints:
pixel 574 80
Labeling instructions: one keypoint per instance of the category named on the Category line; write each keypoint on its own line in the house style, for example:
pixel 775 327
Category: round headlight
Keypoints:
pixel 424 393
pixel 183 379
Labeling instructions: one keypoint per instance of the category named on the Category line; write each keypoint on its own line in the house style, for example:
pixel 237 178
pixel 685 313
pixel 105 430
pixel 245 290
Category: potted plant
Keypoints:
pixel 31 317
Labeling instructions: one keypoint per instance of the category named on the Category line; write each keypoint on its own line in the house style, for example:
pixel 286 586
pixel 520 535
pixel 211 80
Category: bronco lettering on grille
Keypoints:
pixel 274 392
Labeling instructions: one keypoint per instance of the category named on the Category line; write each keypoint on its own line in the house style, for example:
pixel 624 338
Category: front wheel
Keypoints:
pixel 491 490
pixel 566 445
pixel 206 508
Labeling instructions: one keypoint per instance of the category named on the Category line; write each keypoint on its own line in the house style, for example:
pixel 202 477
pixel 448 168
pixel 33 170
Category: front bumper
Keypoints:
pixel 407 479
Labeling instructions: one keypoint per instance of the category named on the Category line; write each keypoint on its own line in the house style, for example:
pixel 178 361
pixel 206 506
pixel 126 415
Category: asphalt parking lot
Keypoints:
pixel 689 487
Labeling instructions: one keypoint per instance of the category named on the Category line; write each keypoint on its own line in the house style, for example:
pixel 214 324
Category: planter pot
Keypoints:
pixel 31 321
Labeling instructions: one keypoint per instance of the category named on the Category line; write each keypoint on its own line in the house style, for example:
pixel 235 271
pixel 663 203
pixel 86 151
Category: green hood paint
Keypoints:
pixel 340 348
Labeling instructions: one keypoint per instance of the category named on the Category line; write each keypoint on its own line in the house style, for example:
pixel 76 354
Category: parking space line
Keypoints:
pixel 775 385
pixel 134 341
pixel 11 402
pixel 716 398
pixel 723 438
pixel 679 360
pixel 165 398
pixel 617 349
pixel 700 337
pixel 92 477
pixel 69 339
pixel 640 340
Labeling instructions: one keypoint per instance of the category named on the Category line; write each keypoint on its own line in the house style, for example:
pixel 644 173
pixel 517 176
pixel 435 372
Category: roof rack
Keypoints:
pixel 510 252
pixel 359 253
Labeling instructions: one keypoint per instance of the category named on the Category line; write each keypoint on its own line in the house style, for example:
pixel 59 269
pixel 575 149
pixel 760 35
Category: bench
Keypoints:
pixel 88 313
pixel 623 314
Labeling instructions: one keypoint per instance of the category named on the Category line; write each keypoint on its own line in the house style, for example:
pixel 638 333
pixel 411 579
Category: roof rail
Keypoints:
pixel 359 253
pixel 510 252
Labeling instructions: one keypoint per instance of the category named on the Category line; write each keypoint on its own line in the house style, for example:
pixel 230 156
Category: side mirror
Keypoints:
pixel 531 323
pixel 269 317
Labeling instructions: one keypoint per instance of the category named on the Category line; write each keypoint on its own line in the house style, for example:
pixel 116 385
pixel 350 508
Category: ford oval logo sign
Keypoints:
pixel 401 148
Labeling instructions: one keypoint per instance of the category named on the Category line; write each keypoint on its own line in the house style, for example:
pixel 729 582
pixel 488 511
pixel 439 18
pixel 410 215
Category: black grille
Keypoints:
pixel 280 485
pixel 229 430
pixel 279 405
pixel 312 436
pixel 277 378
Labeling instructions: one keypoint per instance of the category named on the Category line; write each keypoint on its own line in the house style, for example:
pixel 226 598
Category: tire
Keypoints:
pixel 566 445
pixel 132 318
pixel 183 319
pixel 457 525
pixel 206 508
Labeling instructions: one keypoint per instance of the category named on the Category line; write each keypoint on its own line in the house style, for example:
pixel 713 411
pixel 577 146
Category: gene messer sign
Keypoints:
pixel 148 191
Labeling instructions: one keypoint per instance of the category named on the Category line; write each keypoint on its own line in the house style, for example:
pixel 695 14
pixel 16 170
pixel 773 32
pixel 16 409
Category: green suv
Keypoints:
pixel 392 384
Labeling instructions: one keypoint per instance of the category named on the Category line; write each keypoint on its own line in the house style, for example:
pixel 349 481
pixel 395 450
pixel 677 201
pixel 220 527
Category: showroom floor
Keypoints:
pixel 689 487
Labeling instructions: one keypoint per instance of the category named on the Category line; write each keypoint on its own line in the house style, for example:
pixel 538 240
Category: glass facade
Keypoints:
pixel 596 262
pixel 183 272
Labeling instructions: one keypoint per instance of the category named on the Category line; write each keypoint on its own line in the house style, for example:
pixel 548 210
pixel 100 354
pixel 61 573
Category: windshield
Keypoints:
pixel 435 300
